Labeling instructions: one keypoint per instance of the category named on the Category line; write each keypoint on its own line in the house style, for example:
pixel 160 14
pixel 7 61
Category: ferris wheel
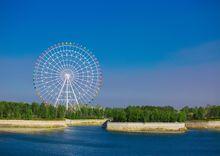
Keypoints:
pixel 67 74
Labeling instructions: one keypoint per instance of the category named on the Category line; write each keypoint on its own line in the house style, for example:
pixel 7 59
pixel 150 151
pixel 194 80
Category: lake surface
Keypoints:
pixel 91 141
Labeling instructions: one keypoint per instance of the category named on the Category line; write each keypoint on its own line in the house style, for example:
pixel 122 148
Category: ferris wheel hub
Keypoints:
pixel 67 76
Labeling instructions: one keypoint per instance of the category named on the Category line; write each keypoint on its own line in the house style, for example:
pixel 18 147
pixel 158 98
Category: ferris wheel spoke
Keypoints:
pixel 53 63
pixel 45 73
pixel 88 67
pixel 51 96
pixel 84 79
pixel 82 58
pixel 65 52
pixel 65 66
pixel 63 63
pixel 87 78
pixel 88 88
pixel 92 58
pixel 85 82
pixel 84 92
pixel 67 57
pixel 44 92
pixel 78 92
pixel 58 63
pixel 47 77
pixel 55 66
pixel 44 88
pixel 93 76
pixel 57 54
pixel 47 59
pixel 84 63
pixel 47 68
pixel 43 81
pixel 87 73
pixel 89 56
pixel 75 64
pixel 43 67
pixel 81 89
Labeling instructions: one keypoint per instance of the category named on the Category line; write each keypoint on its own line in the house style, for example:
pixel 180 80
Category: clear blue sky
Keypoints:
pixel 151 52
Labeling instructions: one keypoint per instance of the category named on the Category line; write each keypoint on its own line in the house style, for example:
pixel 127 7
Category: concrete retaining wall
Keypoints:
pixel 203 124
pixel 146 127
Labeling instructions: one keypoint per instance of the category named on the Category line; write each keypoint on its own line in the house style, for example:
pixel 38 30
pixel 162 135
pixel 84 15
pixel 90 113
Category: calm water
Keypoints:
pixel 96 141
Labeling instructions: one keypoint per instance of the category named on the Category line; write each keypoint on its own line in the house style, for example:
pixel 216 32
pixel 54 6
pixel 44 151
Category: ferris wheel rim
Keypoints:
pixel 98 78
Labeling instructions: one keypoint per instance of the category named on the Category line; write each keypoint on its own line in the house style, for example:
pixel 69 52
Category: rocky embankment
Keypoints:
pixel 156 127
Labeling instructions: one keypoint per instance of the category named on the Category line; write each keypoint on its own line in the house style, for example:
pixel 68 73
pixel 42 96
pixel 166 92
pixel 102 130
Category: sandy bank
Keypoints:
pixel 158 127
pixel 203 125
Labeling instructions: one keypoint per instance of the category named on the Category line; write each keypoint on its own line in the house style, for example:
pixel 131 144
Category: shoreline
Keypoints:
pixel 33 126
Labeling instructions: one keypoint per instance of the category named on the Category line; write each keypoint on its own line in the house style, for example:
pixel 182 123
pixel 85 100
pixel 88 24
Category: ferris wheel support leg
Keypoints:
pixel 67 98
pixel 74 95
pixel 60 92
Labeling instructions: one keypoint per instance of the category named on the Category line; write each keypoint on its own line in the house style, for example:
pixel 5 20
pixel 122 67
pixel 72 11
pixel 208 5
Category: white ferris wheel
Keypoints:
pixel 67 74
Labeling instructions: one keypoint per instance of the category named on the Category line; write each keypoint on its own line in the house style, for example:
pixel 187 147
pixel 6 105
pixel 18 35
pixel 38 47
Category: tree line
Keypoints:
pixel 162 114
pixel 17 110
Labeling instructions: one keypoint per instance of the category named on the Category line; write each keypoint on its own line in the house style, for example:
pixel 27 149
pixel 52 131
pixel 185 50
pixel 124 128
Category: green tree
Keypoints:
pixel 43 111
pixel 119 115
pixel 35 109
pixel 61 111
pixel 181 116
pixel 52 113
